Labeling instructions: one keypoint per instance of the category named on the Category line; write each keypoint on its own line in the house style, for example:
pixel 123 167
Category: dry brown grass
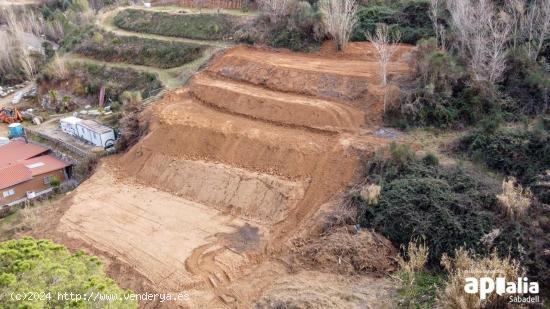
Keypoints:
pixel 345 251
pixel 58 68
pixel 416 258
pixel 370 193
pixel 514 200
pixel 16 56
pixel 29 217
pixel 465 264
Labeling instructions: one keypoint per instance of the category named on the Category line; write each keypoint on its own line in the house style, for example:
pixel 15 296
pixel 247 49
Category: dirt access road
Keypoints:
pixel 172 78
pixel 235 166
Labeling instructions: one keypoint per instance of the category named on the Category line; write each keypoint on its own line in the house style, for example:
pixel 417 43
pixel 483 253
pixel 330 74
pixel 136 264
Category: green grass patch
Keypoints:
pixel 420 291
pixel 135 50
pixel 193 26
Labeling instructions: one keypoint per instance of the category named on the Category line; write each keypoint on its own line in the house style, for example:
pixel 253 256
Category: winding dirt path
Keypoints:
pixel 105 22
pixel 171 78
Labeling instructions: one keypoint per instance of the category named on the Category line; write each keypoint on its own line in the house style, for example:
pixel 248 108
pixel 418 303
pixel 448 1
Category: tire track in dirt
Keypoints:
pixel 202 262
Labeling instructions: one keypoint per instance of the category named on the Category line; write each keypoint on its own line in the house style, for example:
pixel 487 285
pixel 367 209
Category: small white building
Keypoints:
pixel 89 130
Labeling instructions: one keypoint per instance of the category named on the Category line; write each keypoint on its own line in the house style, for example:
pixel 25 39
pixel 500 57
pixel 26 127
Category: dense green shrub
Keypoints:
pixel 447 206
pixel 518 152
pixel 410 17
pixel 299 29
pixel 528 84
pixel 192 26
pixel 46 269
pixel 444 95
pixel 86 80
pixel 135 50
pixel 12 77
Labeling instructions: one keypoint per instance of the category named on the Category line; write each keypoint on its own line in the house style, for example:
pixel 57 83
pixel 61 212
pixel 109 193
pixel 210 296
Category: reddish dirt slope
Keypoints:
pixel 233 167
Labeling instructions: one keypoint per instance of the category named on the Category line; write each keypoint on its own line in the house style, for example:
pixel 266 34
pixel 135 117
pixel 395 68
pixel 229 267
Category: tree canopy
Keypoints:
pixel 42 274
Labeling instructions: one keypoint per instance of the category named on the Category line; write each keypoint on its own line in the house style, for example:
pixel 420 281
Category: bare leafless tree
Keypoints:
pixel 339 18
pixel 439 29
pixel 483 34
pixel 17 57
pixel 28 63
pixel 384 41
pixel 8 54
pixel 516 11
pixel 535 27
pixel 275 9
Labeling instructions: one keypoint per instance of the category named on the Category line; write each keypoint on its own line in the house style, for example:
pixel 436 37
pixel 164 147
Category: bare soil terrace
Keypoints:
pixel 234 167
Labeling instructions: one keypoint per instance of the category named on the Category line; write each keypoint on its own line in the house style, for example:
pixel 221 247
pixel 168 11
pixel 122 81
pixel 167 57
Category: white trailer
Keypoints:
pixel 88 130
pixel 95 133
pixel 68 125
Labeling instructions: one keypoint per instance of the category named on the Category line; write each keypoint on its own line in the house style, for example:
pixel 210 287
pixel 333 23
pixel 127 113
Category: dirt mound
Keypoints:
pixel 284 108
pixel 185 129
pixel 320 74
pixel 347 252
pixel 363 51
pixel 314 290
pixel 324 75
pixel 230 189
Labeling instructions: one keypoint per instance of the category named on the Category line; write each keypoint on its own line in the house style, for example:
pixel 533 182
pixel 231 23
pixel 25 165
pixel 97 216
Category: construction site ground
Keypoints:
pixel 234 167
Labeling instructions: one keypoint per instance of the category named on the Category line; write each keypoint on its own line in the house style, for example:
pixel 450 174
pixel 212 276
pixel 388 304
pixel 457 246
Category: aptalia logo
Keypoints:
pixel 486 285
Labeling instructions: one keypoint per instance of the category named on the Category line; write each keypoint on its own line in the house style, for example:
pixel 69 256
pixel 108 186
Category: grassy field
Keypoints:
pixel 206 26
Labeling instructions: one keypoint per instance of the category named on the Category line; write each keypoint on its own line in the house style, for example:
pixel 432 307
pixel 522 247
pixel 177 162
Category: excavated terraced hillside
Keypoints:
pixel 234 165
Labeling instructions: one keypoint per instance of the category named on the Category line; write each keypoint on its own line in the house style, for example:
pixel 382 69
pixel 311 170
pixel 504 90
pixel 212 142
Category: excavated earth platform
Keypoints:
pixel 233 166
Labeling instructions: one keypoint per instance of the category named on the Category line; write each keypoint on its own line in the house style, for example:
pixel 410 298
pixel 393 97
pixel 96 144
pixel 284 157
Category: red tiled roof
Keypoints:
pixel 14 174
pixel 17 150
pixel 44 164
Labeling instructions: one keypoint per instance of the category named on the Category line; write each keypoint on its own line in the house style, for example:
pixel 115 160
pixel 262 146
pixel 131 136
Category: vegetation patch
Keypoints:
pixel 130 49
pixel 192 26
pixel 84 79
pixel 410 17
pixel 417 286
pixel 297 26
pixel 450 208
pixel 28 265
pixel 520 152
pixel 528 84
pixel 444 95
pixel 419 199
